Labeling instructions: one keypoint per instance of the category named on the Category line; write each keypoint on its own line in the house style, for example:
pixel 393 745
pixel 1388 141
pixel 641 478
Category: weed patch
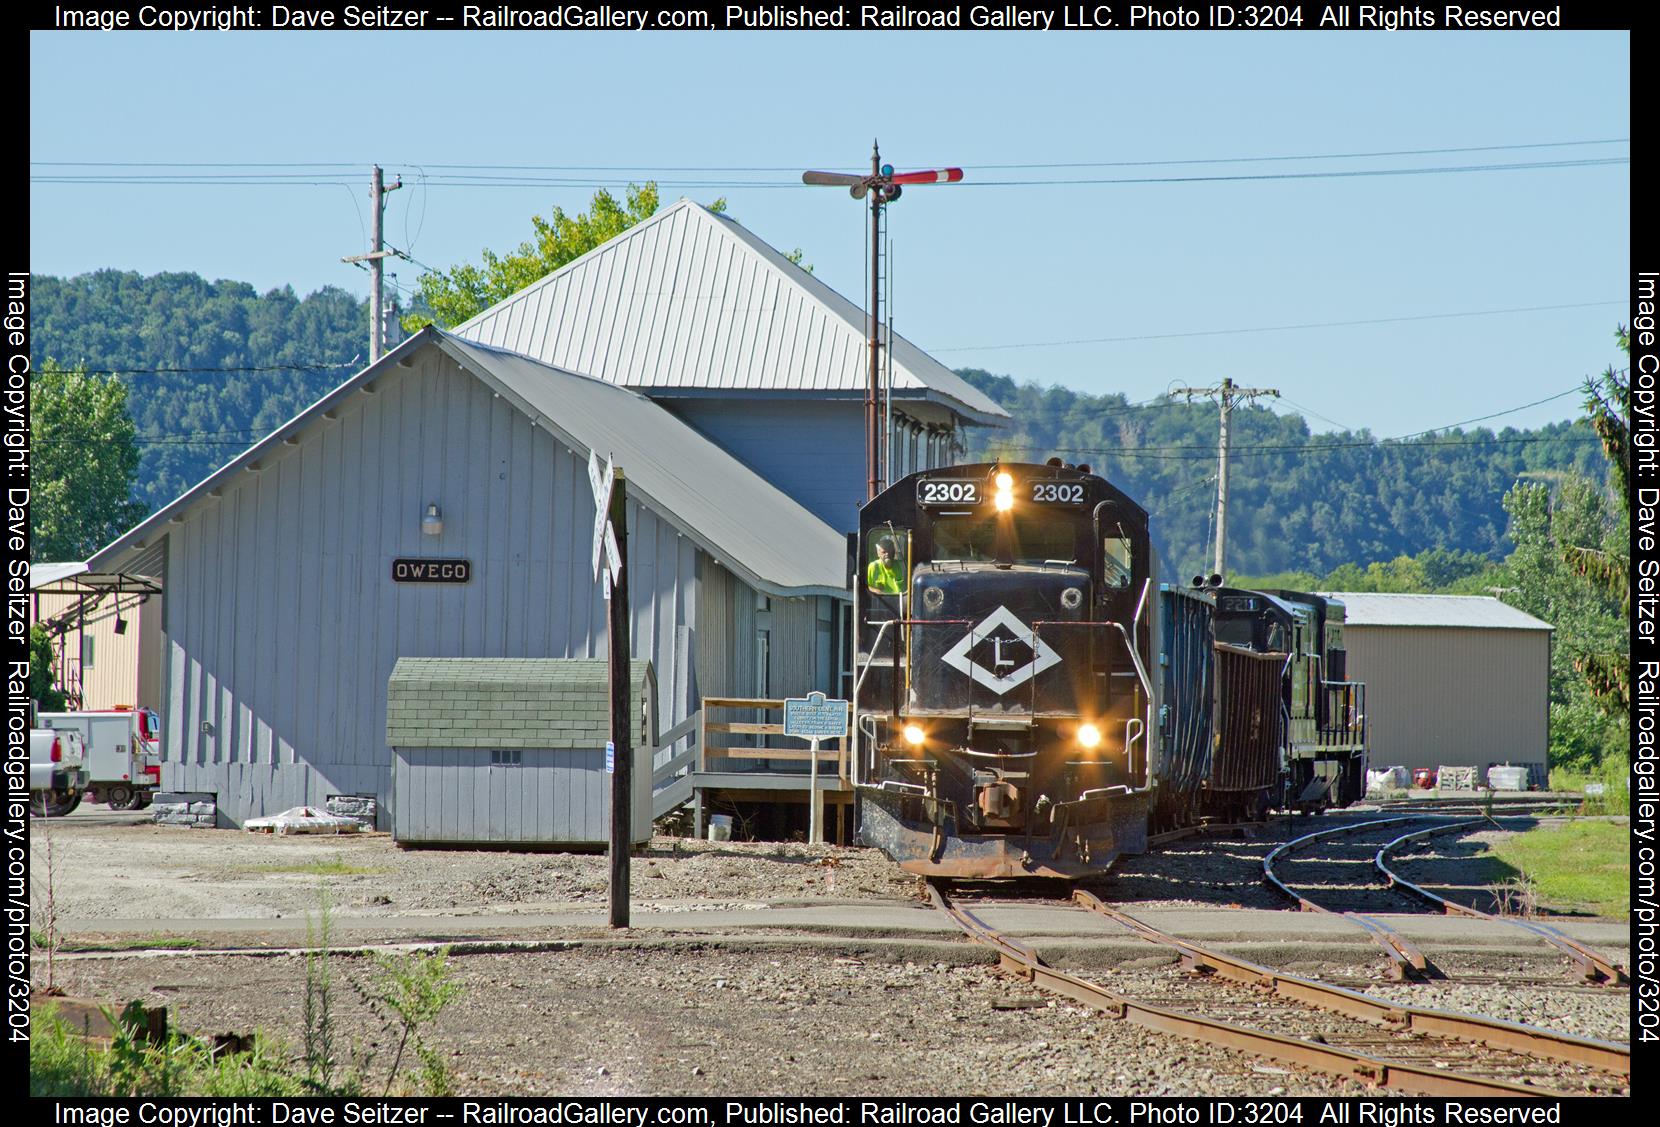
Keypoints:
pixel 1578 867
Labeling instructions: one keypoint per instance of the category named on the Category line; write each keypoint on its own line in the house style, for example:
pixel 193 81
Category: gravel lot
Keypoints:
pixel 691 1020
pixel 675 1013
pixel 128 869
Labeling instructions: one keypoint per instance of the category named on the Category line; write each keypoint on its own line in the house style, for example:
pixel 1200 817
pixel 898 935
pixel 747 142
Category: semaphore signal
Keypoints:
pixel 883 185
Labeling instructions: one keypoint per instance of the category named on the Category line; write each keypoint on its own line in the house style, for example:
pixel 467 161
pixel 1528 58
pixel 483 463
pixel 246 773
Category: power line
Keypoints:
pixel 1160 453
pixel 647 168
pixel 1495 415
pixel 481 180
pixel 1277 328
pixel 187 371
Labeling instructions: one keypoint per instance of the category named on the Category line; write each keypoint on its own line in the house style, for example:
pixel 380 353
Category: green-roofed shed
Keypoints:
pixel 511 751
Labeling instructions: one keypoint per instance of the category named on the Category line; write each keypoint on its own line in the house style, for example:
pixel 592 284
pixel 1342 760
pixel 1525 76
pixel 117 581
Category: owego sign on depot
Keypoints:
pixel 431 571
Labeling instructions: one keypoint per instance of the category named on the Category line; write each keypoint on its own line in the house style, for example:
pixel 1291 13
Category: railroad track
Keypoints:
pixel 1233 1003
pixel 1593 966
pixel 1357 882
pixel 1348 886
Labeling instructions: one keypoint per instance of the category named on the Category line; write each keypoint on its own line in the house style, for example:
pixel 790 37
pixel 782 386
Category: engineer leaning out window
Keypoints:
pixel 882 574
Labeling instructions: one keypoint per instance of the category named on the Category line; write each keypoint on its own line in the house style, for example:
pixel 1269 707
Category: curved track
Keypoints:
pixel 1342 895
pixel 1328 1029
pixel 1592 965
pixel 1353 880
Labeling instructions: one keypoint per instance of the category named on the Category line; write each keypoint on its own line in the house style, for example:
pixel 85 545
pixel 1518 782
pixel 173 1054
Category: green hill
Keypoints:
pixel 210 366
pixel 1297 501
pixel 213 366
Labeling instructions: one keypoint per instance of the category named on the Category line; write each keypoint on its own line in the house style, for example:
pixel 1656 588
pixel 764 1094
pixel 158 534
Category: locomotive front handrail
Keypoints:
pixel 1141 730
pixel 858 760
pixel 1147 690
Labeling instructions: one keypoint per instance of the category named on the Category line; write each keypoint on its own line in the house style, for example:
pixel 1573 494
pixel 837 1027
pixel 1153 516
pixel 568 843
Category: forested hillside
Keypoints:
pixel 1296 501
pixel 213 366
pixel 209 366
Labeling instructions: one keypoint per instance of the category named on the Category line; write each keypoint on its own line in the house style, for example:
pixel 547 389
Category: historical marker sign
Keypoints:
pixel 815 717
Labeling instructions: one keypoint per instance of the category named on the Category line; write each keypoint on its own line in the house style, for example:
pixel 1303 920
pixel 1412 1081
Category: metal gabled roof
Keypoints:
pixel 744 521
pixel 1469 611
pixel 747 524
pixel 690 301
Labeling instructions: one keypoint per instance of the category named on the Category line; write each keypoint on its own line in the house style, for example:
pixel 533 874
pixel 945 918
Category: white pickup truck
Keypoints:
pixel 57 771
pixel 123 753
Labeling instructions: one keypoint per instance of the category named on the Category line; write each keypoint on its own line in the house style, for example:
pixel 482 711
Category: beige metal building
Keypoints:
pixel 1454 680
pixel 106 634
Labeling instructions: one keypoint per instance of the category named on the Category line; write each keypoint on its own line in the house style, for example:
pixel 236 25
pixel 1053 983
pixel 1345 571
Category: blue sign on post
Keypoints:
pixel 610 758
pixel 815 717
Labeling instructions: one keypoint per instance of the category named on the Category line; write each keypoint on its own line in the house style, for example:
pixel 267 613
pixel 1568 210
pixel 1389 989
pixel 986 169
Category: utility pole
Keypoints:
pixel 883 185
pixel 1226 394
pixel 377 263
pixel 376 258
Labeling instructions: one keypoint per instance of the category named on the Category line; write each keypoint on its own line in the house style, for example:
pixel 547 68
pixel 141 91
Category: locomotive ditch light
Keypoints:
pixel 1089 736
pixel 1003 499
pixel 914 735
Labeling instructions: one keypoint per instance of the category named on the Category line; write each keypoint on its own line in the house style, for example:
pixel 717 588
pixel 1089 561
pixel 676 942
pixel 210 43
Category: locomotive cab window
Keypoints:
pixel 1117 561
pixel 887 560
pixel 1032 540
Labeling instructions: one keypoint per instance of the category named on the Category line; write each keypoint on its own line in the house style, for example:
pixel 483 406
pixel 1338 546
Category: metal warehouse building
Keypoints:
pixel 1453 680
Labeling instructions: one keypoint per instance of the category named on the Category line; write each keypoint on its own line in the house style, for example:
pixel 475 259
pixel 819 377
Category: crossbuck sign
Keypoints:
pixel 605 537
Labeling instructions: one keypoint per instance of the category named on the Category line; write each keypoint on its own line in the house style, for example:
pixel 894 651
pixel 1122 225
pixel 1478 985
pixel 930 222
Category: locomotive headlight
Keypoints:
pixel 1089 736
pixel 914 735
pixel 1003 499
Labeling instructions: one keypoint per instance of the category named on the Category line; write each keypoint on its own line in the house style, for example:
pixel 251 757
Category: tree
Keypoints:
pixel 1608 566
pixel 1539 580
pixel 42 672
pixel 463 291
pixel 85 460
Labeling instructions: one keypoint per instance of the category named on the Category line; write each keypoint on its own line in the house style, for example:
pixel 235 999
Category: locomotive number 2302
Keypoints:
pixel 948 492
pixel 1058 492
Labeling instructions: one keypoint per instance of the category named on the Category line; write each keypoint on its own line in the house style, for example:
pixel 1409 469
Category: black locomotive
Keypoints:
pixel 1030 699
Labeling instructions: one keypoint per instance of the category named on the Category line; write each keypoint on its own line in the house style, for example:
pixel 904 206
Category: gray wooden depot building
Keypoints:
pixel 437 505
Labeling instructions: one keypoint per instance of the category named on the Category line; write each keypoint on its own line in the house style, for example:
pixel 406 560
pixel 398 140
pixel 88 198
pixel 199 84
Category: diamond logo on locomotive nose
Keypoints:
pixel 1001 678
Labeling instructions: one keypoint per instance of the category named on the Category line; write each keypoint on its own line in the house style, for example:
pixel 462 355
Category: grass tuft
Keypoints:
pixel 1576 867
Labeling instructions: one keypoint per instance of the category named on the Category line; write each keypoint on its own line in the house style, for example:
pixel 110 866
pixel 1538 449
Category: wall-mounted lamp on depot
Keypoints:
pixel 432 524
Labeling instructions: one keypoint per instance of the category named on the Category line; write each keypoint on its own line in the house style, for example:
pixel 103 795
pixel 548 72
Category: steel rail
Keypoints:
pixel 1020 960
pixel 1608 1056
pixel 1594 966
pixel 1406 961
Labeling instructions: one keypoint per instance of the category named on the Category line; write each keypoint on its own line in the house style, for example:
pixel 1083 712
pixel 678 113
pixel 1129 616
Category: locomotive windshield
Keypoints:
pixel 1033 539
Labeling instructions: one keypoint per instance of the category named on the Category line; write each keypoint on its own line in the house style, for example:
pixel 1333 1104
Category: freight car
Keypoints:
pixel 1030 699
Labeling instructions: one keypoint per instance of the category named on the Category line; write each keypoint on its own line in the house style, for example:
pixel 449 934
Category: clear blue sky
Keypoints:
pixel 976 265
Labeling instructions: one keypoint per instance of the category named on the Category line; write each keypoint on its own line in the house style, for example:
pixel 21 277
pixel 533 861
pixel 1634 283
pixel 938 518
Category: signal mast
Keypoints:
pixel 883 185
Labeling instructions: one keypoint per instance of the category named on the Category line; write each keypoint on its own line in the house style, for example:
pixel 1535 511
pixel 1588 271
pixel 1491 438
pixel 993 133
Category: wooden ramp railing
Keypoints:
pixel 713 737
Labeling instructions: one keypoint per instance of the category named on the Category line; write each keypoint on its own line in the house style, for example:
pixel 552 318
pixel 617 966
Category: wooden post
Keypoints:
pixel 622 715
